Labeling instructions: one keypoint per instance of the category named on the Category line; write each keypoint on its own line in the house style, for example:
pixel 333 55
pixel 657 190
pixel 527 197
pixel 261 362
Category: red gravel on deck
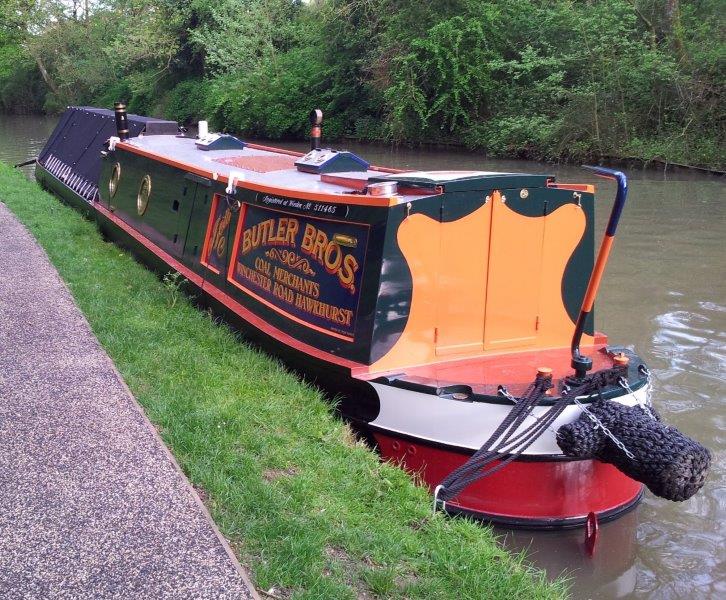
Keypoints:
pixel 92 505
pixel 259 164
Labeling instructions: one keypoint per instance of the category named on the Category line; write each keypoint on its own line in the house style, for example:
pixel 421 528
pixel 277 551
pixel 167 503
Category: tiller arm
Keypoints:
pixel 582 364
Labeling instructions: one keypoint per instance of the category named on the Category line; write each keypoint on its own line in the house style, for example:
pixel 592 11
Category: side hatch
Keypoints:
pixel 208 240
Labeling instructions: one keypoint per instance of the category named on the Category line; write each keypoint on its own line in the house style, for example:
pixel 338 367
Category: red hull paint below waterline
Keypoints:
pixel 537 493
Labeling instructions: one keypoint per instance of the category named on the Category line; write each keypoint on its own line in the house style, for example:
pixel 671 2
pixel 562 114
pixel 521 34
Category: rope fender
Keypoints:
pixel 633 439
pixel 670 464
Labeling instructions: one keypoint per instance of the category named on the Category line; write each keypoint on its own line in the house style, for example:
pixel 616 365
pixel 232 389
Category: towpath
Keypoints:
pixel 92 505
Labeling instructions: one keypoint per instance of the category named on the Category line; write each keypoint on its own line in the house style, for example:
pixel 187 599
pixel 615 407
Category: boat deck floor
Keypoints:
pixel 515 370
pixel 92 505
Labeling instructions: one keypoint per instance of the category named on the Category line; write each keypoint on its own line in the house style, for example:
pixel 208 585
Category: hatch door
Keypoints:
pixel 208 237
pixel 462 273
pixel 515 270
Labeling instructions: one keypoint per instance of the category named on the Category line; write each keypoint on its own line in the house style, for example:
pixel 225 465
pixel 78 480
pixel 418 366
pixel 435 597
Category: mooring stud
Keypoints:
pixel 620 360
pixel 544 372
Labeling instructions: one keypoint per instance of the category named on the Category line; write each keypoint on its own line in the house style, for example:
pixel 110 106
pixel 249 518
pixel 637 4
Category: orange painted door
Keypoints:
pixel 462 276
pixel 515 271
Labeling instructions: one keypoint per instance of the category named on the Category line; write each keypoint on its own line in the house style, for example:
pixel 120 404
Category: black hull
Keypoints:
pixel 353 398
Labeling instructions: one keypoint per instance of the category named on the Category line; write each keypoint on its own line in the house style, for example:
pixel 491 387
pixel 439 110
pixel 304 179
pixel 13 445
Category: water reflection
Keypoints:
pixel 664 293
pixel 610 573
pixel 23 137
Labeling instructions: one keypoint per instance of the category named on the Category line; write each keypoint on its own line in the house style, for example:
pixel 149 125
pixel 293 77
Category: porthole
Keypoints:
pixel 142 198
pixel 113 182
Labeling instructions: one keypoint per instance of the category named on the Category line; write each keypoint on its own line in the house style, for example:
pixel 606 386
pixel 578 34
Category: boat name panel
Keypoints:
pixel 306 267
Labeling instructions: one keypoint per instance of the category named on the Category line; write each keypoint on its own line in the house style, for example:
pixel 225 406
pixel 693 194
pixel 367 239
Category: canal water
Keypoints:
pixel 664 292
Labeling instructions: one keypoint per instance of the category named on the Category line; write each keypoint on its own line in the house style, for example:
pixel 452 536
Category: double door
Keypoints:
pixel 489 276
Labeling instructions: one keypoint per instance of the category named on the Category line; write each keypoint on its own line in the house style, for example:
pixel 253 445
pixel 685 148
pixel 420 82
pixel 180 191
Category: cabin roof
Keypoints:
pixel 276 169
pixel 249 164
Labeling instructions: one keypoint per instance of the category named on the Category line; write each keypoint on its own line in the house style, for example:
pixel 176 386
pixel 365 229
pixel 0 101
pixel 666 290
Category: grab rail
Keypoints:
pixel 582 364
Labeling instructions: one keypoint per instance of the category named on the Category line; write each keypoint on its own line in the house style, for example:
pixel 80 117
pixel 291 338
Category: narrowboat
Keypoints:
pixel 449 312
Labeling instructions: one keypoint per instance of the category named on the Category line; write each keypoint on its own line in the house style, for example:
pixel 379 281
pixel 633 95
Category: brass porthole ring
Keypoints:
pixel 113 182
pixel 142 198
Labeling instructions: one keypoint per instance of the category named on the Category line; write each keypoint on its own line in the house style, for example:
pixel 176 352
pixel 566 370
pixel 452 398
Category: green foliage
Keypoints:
pixel 443 84
pixel 556 80
pixel 185 101
pixel 272 101
pixel 550 80
pixel 21 88
pixel 241 35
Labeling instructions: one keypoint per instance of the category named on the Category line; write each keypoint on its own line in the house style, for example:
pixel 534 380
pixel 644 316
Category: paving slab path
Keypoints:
pixel 92 504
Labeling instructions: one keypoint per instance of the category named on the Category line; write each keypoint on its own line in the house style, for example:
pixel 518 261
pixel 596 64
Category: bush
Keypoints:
pixel 524 78
pixel 185 102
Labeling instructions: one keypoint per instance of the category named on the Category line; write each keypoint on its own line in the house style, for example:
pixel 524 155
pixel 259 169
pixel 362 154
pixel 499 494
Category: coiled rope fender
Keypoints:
pixel 672 465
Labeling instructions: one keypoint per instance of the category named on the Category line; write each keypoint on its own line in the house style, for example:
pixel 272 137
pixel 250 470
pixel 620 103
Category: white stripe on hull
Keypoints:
pixel 466 424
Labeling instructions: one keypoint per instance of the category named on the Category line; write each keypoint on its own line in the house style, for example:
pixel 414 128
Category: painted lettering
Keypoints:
pixel 272 232
pixel 328 253
pixel 346 275
pixel 262 266
pixel 218 239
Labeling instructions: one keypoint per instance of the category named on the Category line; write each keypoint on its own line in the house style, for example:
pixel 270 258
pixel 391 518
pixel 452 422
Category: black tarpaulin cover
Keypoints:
pixel 81 133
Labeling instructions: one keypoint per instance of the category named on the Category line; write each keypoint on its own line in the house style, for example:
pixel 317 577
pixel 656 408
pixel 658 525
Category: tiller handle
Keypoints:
pixel 582 364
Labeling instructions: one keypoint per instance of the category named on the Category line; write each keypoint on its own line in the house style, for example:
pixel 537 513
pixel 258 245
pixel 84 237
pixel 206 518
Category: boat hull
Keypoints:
pixel 531 492
pixel 432 435
pixel 53 184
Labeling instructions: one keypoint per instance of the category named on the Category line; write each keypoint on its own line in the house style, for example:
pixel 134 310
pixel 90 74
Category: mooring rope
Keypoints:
pixel 505 444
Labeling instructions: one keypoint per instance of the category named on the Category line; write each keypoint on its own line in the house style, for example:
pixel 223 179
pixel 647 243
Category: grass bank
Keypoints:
pixel 313 514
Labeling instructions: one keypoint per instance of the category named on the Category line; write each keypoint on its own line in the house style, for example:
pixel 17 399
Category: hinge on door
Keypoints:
pixel 536 323
pixel 436 334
